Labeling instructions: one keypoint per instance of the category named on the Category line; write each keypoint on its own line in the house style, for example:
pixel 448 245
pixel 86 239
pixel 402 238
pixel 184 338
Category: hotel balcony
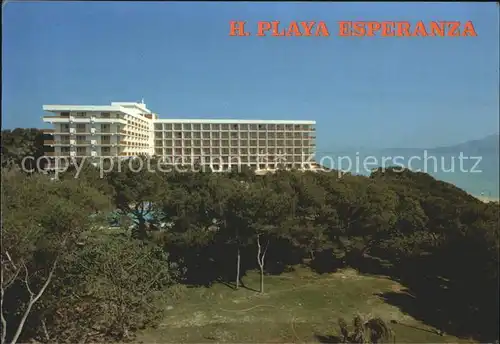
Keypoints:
pixel 66 154
pixel 82 143
pixel 58 116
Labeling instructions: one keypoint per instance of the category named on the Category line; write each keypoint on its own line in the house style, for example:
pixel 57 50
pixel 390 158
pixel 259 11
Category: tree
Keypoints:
pixel 136 189
pixel 189 228
pixel 261 214
pixel 90 173
pixel 362 214
pixel 227 196
pixel 307 222
pixel 115 285
pixel 20 143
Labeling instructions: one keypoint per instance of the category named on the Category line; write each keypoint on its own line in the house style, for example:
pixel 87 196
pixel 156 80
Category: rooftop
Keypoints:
pixel 123 106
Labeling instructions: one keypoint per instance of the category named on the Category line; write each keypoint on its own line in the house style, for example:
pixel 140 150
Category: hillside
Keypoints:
pixel 477 172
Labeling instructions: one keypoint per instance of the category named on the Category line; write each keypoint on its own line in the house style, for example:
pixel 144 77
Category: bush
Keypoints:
pixel 108 289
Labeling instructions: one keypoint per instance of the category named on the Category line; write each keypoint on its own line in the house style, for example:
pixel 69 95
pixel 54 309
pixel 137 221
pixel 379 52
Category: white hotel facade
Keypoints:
pixel 124 130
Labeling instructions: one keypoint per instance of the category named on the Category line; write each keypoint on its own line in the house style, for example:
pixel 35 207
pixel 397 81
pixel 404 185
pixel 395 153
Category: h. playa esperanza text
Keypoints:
pixel 353 29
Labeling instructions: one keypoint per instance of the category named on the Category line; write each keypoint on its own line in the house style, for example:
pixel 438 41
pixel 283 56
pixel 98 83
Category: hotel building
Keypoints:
pixel 129 129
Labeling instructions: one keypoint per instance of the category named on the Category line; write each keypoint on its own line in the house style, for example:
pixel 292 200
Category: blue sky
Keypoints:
pixel 370 92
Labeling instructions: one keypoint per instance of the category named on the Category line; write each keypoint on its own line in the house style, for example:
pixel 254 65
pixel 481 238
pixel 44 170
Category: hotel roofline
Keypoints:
pixel 233 121
pixel 115 106
pixel 122 107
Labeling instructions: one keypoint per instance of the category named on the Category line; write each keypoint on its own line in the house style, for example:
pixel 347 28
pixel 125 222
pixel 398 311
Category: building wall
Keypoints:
pixel 123 132
pixel 262 145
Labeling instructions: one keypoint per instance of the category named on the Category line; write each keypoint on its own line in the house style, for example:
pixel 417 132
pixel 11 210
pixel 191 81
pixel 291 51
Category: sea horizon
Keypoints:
pixel 475 173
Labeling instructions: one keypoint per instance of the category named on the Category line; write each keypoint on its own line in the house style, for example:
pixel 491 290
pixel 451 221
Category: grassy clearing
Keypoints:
pixel 300 306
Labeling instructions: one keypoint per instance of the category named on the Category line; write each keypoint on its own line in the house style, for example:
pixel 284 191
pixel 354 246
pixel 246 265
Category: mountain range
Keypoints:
pixel 477 172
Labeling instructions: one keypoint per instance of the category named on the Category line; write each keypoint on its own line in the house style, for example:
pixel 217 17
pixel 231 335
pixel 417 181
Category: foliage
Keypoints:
pixel 112 287
pixel 42 222
pixel 198 228
pixel 20 143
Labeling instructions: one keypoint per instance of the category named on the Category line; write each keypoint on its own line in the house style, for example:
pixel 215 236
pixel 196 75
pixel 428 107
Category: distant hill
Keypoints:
pixel 478 175
pixel 486 145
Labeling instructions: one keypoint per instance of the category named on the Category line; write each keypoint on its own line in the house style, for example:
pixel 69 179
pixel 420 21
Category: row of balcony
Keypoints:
pixel 87 119
pixel 179 159
pixel 85 154
pixel 76 142
pixel 92 132
pixel 253 143
pixel 225 135
pixel 93 142
pixel 232 127
pixel 84 131
pixel 240 151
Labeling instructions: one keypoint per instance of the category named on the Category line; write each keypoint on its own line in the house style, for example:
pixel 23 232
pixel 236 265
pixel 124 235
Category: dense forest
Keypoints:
pixel 89 259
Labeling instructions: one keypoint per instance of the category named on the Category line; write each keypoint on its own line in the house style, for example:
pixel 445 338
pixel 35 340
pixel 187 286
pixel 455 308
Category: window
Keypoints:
pixel 81 114
pixel 64 114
